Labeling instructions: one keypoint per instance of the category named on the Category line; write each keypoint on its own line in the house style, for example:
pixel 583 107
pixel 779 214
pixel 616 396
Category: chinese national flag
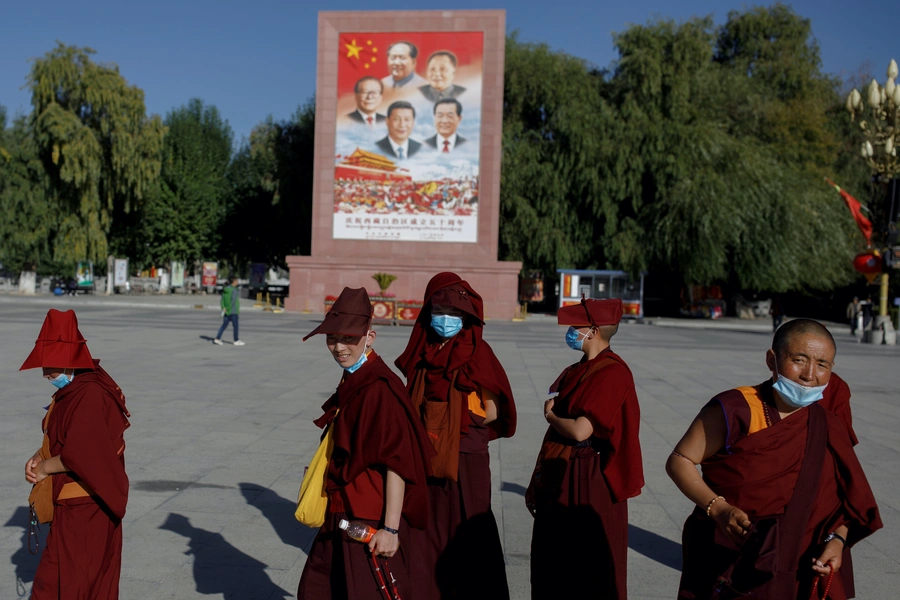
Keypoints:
pixel 360 53
pixel 865 226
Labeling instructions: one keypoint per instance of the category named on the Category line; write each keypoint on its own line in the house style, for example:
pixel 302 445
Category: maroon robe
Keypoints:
pixel 579 491
pixel 462 533
pixel 375 430
pixel 757 472
pixel 836 398
pixel 83 555
pixel 466 355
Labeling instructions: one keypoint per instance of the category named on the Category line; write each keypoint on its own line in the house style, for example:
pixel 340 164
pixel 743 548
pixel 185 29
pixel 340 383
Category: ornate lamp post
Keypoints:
pixel 879 119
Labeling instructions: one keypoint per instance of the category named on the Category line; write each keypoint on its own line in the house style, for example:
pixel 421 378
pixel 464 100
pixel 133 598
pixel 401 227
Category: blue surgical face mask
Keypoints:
pixel 359 361
pixel 446 325
pixel 796 395
pixel 62 380
pixel 574 338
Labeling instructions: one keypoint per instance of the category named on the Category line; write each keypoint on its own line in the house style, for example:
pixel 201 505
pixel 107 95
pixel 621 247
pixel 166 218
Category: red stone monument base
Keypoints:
pixel 313 278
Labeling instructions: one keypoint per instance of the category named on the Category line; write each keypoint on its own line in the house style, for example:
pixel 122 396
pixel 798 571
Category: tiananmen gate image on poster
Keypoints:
pixel 408 136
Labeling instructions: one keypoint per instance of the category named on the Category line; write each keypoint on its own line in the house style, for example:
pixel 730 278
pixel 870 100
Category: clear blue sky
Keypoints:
pixel 257 58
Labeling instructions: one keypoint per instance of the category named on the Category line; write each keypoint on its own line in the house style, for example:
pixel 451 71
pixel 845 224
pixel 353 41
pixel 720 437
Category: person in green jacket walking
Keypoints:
pixel 231 307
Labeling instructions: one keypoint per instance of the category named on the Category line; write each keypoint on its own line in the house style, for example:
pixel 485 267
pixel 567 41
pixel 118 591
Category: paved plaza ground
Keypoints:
pixel 220 437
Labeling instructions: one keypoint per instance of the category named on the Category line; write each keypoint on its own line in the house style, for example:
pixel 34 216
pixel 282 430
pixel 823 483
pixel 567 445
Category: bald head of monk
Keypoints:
pixel 803 351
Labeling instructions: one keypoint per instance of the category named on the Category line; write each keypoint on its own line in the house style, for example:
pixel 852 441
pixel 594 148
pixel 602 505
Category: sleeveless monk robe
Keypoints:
pixel 448 384
pixel 83 553
pixel 578 493
pixel 375 429
pixel 757 471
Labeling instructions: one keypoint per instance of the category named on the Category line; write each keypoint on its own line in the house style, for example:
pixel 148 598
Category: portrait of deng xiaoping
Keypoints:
pixel 408 136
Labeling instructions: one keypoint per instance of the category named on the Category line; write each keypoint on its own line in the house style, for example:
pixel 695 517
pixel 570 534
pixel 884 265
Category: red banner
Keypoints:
pixel 210 274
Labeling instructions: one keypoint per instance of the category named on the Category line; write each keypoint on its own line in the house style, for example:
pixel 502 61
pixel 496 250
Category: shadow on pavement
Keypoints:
pixel 220 568
pixel 476 542
pixel 280 513
pixel 655 547
pixel 515 488
pixel 24 562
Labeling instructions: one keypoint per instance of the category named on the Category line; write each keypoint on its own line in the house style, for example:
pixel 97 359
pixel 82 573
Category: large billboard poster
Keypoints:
pixel 408 136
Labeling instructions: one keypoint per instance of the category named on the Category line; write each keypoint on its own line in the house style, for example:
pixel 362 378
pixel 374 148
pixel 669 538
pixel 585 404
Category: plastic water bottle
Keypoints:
pixel 357 531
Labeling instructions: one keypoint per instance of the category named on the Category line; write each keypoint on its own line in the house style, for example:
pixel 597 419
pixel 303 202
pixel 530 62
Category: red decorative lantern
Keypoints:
pixel 868 263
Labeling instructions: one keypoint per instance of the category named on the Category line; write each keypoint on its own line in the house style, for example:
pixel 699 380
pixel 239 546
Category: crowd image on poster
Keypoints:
pixel 408 136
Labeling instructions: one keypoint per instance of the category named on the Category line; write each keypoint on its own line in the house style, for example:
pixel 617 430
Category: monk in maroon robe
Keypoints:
pixel 782 496
pixel 464 399
pixel 378 468
pixel 588 467
pixel 83 453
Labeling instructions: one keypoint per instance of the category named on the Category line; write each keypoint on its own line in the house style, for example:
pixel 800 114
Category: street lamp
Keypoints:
pixel 879 119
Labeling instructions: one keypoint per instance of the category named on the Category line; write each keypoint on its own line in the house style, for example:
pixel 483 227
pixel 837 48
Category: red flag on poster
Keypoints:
pixel 360 52
pixel 865 226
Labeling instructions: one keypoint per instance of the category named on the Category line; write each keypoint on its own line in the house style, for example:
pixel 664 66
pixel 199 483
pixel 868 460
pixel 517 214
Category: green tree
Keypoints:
pixel 28 224
pixel 563 171
pixel 183 217
pixel 773 62
pixel 700 155
pixel 270 215
pixel 100 151
pixel 4 143
pixel 774 47
pixel 732 155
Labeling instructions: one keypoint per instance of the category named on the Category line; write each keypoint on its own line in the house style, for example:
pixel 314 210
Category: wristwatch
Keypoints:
pixel 389 530
pixel 833 536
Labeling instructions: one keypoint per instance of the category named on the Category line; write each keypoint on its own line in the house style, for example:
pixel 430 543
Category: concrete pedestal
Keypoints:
pixel 875 336
pixel 882 332
pixel 313 278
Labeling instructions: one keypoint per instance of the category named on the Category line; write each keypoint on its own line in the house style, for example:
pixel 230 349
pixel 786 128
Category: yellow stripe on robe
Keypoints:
pixel 757 412
pixel 476 406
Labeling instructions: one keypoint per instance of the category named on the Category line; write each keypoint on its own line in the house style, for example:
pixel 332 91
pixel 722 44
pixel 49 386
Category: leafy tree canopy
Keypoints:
pixel 271 176
pixel 700 153
pixel 99 149
pixel 27 228
pixel 181 219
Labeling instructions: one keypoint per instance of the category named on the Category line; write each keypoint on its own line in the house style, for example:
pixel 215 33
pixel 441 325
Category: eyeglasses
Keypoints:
pixel 368 94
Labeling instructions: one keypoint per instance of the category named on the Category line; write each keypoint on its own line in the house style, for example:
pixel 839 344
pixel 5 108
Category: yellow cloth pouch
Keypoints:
pixel 313 501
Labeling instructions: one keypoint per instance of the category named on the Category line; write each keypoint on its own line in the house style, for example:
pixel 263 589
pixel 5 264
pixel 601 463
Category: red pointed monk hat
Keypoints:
pixel 590 312
pixel 60 344
pixel 351 314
